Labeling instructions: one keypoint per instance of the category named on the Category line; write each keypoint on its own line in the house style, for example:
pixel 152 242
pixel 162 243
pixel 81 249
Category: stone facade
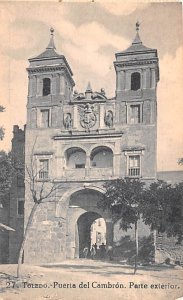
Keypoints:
pixel 17 195
pixel 80 140
pixel 12 210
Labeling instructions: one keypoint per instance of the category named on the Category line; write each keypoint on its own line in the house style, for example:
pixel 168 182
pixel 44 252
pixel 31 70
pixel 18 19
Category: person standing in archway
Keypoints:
pixel 93 252
pixel 85 252
pixel 102 251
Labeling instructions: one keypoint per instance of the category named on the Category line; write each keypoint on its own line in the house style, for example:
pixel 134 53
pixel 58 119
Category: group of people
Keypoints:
pixel 96 252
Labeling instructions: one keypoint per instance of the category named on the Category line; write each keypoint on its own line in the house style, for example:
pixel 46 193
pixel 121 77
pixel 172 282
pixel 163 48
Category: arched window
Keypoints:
pixel 135 81
pixel 46 86
pixel 101 157
pixel 75 158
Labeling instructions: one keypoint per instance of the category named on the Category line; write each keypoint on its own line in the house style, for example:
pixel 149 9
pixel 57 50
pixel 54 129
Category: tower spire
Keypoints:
pixel 137 39
pixel 89 89
pixel 51 44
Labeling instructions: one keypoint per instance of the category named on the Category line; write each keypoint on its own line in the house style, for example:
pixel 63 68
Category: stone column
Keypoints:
pixel 102 125
pixel 75 116
pixel 62 85
pixel 144 79
pixel 153 79
pixel 53 84
pixel 118 81
pixel 39 85
pixel 109 232
pixel 122 80
pixel 30 86
pixel 76 254
pixel 87 167
pixel 128 81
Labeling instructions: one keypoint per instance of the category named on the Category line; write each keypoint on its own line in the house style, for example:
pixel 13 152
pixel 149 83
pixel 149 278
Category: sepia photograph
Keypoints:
pixel 91 150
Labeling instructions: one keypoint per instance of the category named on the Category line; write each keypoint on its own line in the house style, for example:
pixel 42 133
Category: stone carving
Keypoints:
pixel 68 121
pixel 108 119
pixel 87 115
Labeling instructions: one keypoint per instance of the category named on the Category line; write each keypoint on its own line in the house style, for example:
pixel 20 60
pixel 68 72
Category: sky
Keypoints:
pixel 89 35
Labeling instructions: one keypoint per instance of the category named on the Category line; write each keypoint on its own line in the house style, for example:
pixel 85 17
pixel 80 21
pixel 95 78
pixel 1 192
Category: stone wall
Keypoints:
pixel 4 234
pixel 17 191
pixel 167 248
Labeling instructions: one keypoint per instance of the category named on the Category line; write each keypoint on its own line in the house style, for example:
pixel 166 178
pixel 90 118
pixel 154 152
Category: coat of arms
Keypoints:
pixel 87 115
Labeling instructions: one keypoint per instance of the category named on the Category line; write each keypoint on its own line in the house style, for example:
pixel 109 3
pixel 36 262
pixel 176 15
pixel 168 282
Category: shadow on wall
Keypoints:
pixel 125 250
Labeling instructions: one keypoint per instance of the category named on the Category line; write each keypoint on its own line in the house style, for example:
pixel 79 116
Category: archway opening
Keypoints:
pixel 75 158
pixel 101 157
pixel 98 232
pixel 91 231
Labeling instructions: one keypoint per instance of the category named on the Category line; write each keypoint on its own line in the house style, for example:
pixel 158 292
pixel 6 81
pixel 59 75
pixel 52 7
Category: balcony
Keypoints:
pixel 74 174
pixel 87 174
pixel 134 172
pixel 100 172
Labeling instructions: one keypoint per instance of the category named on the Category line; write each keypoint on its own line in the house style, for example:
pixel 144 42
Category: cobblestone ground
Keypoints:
pixel 87 279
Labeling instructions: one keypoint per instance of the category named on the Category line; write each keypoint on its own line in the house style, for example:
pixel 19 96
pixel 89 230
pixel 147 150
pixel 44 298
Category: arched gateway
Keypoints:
pixel 82 212
pixel 87 151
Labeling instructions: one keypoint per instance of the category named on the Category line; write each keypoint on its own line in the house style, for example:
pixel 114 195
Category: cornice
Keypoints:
pixel 86 135
pixel 39 69
pixel 135 62
pixel 42 69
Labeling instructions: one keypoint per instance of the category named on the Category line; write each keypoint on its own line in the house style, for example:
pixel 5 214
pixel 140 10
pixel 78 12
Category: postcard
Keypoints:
pixel 91 160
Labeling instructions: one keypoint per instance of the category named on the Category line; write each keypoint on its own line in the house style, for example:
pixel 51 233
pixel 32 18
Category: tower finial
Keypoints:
pixel 89 89
pixel 51 44
pixel 52 30
pixel 137 39
pixel 137 26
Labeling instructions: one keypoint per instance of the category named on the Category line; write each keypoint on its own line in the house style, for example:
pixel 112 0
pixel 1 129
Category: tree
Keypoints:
pixel 175 216
pixel 123 198
pixel 162 208
pixel 2 109
pixel 5 172
pixel 40 192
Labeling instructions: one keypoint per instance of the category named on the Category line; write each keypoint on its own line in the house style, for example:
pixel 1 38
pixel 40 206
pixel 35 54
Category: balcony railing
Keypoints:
pixel 100 172
pixel 134 172
pixel 43 174
pixel 83 173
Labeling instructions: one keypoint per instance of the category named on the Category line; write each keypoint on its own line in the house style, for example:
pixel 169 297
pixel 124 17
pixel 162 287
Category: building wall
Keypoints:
pixel 17 192
pixel 4 235
pixel 62 121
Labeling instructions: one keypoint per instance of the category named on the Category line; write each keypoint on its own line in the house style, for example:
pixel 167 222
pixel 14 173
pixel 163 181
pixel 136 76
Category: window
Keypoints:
pixel 79 166
pixel 135 114
pixel 46 86
pixel 45 116
pixel 134 165
pixel 20 207
pixel 135 81
pixel 43 168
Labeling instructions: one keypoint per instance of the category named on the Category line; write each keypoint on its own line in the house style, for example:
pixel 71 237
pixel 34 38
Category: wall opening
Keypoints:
pixel 46 86
pixel 135 81
pixel 75 158
pixel 101 157
pixel 91 231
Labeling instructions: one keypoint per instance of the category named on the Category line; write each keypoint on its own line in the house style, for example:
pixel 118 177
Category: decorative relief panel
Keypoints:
pixel 108 119
pixel 68 121
pixel 88 115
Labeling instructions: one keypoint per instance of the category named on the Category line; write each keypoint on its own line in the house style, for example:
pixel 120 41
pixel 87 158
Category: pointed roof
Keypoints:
pixel 50 49
pixel 89 89
pixel 137 45
pixel 51 44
